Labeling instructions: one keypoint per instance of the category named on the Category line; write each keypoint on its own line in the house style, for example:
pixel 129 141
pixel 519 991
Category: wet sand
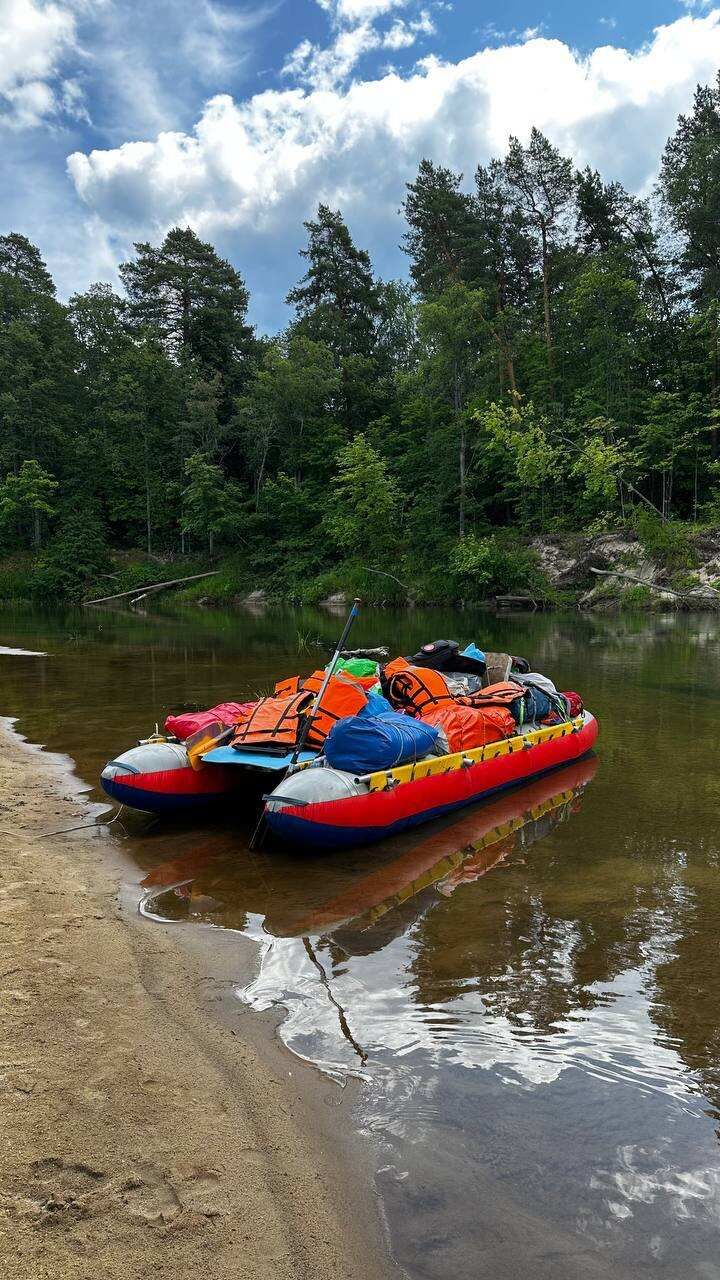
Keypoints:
pixel 151 1125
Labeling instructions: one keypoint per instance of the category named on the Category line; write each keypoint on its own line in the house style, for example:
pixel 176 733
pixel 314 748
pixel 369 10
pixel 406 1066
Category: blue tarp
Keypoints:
pixel 363 744
pixel 377 705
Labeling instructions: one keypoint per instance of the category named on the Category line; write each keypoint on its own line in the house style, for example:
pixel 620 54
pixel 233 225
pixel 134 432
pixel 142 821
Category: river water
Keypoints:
pixel 529 992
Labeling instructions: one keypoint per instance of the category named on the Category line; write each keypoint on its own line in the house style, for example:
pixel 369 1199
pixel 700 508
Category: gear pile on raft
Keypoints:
pixel 364 749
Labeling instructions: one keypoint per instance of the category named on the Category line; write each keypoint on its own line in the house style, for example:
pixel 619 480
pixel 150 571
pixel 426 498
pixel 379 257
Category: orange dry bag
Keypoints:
pixel 468 727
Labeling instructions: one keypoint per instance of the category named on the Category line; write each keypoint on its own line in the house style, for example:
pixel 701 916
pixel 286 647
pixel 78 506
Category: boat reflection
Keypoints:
pixel 368 897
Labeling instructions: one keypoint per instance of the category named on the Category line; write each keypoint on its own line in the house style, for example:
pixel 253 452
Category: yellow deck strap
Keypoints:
pixel 462 759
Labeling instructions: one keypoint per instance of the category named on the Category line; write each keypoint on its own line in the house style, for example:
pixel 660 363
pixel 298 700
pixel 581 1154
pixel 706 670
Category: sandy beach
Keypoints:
pixel 151 1125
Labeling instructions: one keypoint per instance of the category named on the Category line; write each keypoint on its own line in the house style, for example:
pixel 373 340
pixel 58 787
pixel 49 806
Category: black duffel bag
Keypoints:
pixel 444 655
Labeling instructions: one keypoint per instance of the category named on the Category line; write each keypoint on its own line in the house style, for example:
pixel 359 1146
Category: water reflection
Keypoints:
pixel 530 992
pixel 364 887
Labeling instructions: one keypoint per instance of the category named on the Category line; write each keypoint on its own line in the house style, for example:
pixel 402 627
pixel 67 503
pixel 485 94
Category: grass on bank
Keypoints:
pixel 478 568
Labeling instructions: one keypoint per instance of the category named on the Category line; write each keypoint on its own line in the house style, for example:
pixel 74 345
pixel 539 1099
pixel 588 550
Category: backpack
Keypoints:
pixel 438 655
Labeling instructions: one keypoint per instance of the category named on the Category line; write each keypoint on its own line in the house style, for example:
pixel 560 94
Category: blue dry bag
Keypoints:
pixel 364 744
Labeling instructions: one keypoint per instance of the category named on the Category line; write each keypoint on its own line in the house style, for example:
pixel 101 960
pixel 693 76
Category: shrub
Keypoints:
pixel 493 566
pixel 664 540
pixel 75 555
pixel 636 597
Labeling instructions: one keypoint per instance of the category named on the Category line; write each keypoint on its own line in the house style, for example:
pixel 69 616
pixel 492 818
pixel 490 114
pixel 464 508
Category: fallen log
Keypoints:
pixel 516 602
pixel 654 586
pixel 643 582
pixel 156 586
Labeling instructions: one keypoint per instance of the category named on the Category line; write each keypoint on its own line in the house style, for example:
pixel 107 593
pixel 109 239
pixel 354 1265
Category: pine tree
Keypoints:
pixel 501 264
pixel 441 228
pixel 21 260
pixel 38 357
pixel 337 302
pixel 543 184
pixel 195 300
pixel 690 185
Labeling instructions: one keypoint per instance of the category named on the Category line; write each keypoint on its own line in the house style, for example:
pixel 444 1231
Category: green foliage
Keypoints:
pixel 516 446
pixel 601 465
pixel 337 301
pixel 690 185
pixel 364 506
pixel 285 416
pixel 76 554
pixel 21 260
pixel 665 540
pixel 492 566
pixel 210 502
pixel 28 493
pixel 191 297
pixel 636 597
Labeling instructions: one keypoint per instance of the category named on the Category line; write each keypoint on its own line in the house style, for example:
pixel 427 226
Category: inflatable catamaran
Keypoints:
pixel 362 750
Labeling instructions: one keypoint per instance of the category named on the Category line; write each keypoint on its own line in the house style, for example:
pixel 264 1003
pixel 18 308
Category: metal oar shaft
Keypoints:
pixel 302 736
pixel 330 668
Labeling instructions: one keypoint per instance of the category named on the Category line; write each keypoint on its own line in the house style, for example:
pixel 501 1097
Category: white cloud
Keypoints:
pixel 249 172
pixel 325 68
pixel 214 34
pixel 403 34
pixel 34 37
pixel 353 11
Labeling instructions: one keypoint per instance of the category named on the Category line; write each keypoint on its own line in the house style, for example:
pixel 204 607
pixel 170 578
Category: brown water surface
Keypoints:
pixel 530 991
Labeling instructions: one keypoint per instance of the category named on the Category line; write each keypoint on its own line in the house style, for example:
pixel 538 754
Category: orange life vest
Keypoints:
pixel 289 685
pixel 341 698
pixel 413 689
pixel 502 694
pixel 278 721
pixel 274 722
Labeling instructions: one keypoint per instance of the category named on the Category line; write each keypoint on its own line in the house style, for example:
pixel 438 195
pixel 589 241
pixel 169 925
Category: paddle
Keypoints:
pixel 302 736
pixel 207 739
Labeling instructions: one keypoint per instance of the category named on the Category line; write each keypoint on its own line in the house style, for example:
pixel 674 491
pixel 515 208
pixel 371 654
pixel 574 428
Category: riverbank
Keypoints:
pixel 151 1124
pixel 643 566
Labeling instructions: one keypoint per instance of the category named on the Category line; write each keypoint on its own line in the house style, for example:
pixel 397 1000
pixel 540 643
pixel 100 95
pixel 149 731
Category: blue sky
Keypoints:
pixel 120 118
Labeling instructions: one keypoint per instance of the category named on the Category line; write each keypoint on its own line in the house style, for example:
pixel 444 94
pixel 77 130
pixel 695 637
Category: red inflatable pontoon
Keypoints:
pixel 397 799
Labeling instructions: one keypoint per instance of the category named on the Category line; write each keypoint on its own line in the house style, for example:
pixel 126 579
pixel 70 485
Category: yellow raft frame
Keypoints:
pixel 463 759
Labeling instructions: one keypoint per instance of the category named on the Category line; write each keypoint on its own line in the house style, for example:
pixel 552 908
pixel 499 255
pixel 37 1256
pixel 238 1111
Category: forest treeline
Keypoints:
pixel 551 364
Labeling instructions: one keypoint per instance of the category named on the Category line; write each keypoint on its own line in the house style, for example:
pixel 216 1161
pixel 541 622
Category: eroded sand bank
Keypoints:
pixel 141 1133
